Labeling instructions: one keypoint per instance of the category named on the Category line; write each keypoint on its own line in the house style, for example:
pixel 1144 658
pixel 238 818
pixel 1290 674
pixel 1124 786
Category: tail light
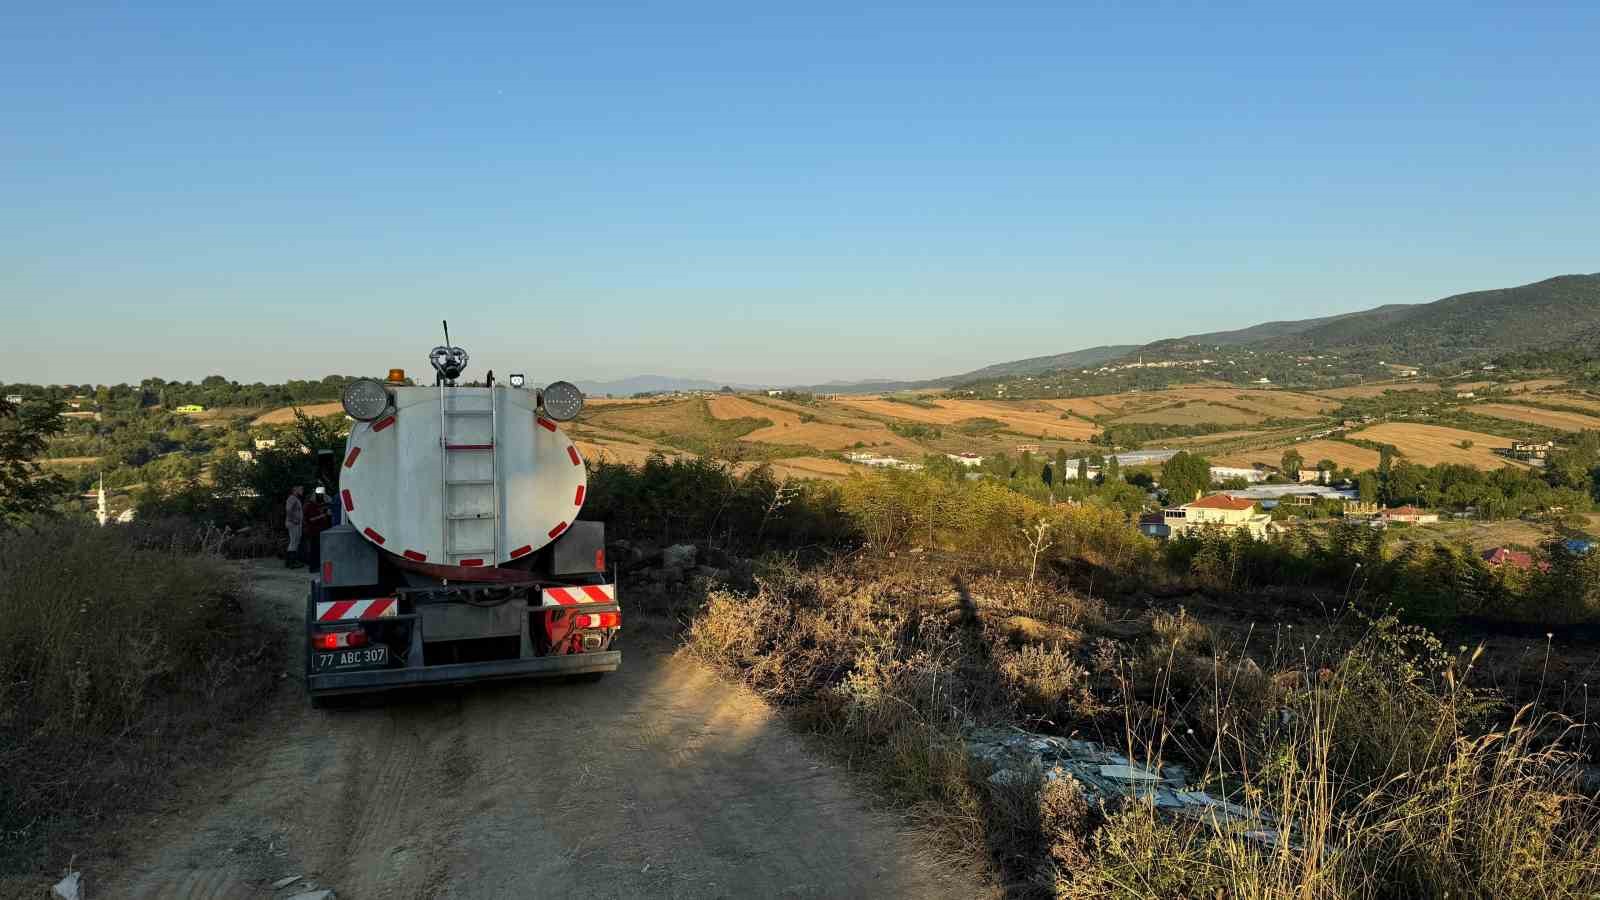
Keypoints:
pixel 339 640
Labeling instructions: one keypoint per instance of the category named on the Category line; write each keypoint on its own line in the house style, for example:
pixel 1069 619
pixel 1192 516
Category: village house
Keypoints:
pixel 1505 556
pixel 969 460
pixel 1530 449
pixel 1408 514
pixel 1221 510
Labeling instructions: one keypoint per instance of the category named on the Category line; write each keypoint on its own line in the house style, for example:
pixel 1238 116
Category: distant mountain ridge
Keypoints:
pixel 1562 312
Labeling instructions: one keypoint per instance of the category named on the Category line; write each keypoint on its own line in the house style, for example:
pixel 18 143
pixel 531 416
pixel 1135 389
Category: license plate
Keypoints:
pixel 359 658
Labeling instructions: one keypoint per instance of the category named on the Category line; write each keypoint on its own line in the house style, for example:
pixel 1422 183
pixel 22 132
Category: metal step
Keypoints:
pixel 468 517
pixel 468 448
pixel 469 481
pixel 468 412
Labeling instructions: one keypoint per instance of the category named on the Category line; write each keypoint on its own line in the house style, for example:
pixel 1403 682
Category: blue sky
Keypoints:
pixel 590 191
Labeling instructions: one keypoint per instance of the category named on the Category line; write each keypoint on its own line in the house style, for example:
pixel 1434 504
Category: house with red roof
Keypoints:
pixel 1217 510
pixel 1505 556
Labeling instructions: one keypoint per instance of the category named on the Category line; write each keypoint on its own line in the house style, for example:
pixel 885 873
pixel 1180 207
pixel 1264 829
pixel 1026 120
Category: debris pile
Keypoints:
pixel 1111 779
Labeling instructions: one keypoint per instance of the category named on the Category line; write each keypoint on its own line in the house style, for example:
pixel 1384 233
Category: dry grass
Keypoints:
pixel 1377 390
pixel 1343 455
pixel 285 415
pixel 1431 445
pixel 1534 384
pixel 1382 774
pixel 124 656
pixel 1565 421
pixel 741 408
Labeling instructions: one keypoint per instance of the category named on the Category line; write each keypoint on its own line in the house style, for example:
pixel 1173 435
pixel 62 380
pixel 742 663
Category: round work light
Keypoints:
pixel 365 399
pixel 563 401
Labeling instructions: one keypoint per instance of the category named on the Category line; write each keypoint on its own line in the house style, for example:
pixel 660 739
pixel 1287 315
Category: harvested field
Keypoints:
pixel 631 454
pixel 1582 401
pixel 1435 444
pixel 741 408
pixel 1194 413
pixel 1024 417
pixel 1479 535
pixel 69 461
pixel 285 415
pixel 1566 421
pixel 1090 407
pixel 1343 455
pixel 1535 384
pixel 1472 385
pixel 1266 403
pixel 812 467
pixel 1377 390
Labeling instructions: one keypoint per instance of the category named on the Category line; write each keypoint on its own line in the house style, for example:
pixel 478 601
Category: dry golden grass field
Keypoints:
pixel 1024 417
pixel 741 408
pixel 1435 444
pixel 1582 401
pixel 1194 413
pixel 1343 455
pixel 1566 421
pixel 1535 384
pixel 1473 385
pixel 70 461
pixel 1266 403
pixel 285 415
pixel 1377 390
pixel 824 433
pixel 812 467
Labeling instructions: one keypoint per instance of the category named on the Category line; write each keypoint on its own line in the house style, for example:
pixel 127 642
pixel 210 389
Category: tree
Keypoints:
pixel 1367 486
pixel 1291 463
pixel 1185 475
pixel 1083 471
pixel 1048 476
pixel 25 489
pixel 1113 470
pixel 1327 466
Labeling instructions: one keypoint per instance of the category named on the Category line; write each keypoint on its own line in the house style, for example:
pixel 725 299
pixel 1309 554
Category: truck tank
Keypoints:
pixel 464 476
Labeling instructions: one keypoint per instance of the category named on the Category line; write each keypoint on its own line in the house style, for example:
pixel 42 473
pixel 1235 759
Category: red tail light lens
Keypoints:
pixel 339 640
pixel 600 560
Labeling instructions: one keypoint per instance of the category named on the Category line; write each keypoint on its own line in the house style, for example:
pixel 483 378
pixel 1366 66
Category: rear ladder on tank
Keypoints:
pixel 469 476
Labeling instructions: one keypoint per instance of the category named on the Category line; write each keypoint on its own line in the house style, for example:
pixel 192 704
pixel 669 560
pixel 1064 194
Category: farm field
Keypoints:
pixel 1021 417
pixel 1435 444
pixel 285 415
pixel 1535 384
pixel 813 467
pixel 789 429
pixel 1192 413
pixel 1343 455
pixel 1479 535
pixel 1566 421
pixel 1377 390
pixel 1264 403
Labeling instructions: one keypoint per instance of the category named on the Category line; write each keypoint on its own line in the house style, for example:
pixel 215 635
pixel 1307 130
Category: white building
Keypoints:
pixel 969 460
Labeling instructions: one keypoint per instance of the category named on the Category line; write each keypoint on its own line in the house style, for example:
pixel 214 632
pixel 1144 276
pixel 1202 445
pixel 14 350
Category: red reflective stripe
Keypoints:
pixel 573 452
pixel 351 459
pixel 558 529
pixel 560 596
pixel 327 571
pixel 546 423
pixel 470 562
pixel 524 550
pixel 412 554
pixel 577 499
pixel 336 611
pixel 349 504
pixel 383 423
pixel 372 534
pixel 378 608
pixel 597 594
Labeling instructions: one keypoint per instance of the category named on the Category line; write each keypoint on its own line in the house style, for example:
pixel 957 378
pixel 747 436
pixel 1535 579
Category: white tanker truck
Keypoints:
pixel 460 556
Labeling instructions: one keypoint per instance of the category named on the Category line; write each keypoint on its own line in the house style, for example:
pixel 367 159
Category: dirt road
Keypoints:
pixel 661 780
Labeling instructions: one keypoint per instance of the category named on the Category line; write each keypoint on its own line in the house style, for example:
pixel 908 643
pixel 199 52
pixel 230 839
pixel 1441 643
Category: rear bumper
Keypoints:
pixel 457 673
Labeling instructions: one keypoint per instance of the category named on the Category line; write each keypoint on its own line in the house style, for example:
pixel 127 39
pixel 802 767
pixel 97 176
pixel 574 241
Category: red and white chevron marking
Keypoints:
pixel 344 610
pixel 588 593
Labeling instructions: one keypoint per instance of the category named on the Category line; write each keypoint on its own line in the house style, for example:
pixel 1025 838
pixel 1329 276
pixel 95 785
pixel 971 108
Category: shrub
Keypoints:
pixel 123 650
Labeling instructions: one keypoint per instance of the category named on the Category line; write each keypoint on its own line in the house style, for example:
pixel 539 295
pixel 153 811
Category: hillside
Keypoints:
pixel 1560 313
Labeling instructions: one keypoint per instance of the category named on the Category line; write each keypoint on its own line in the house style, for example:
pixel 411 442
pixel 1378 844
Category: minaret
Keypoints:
pixel 101 514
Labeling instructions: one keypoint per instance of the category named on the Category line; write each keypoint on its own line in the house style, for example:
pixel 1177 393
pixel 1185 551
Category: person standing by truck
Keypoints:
pixel 293 520
pixel 317 520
